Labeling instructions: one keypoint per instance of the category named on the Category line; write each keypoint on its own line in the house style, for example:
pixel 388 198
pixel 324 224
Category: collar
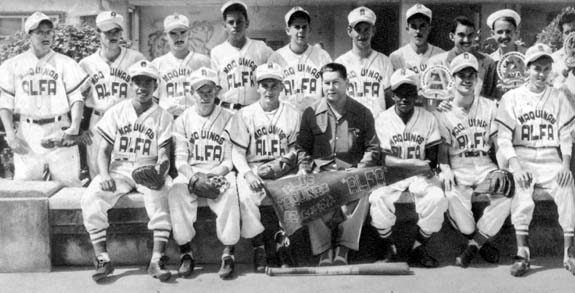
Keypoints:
pixel 350 106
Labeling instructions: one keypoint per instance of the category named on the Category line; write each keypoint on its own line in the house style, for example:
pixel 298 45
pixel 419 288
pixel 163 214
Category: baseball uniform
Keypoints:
pixel 203 143
pixel 41 91
pixel 560 81
pixel 109 83
pixel 408 141
pixel 406 57
pixel 174 91
pixel 265 136
pixel 302 77
pixel 236 68
pixel 535 128
pixel 469 136
pixel 368 79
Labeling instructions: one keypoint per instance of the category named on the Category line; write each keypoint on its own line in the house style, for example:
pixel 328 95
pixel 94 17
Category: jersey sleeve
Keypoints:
pixel 325 58
pixel 227 157
pixel 107 126
pixel 296 117
pixel 388 71
pixel 76 80
pixel 179 139
pixel 266 52
pixel 396 61
pixel 383 135
pixel 565 120
pixel 433 136
pixel 277 58
pixel 238 131
pixel 165 128
pixel 7 81
pixel 443 127
pixel 506 123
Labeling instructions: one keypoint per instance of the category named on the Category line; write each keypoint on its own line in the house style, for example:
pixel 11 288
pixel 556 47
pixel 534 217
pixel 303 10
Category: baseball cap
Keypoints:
pixel 269 70
pixel 295 10
pixel 202 76
pixel 109 20
pixel 403 76
pixel 174 21
pixel 145 68
pixel 418 9
pixel 463 61
pixel 537 51
pixel 233 2
pixel 503 13
pixel 361 14
pixel 34 20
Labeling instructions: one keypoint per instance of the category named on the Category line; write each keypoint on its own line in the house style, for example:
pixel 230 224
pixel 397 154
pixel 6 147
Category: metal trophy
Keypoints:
pixel 569 47
pixel 436 85
pixel 511 70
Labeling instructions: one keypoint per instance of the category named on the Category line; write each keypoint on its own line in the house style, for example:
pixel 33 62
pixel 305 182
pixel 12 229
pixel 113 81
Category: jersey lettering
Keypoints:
pixel 42 87
pixel 177 89
pixel 119 90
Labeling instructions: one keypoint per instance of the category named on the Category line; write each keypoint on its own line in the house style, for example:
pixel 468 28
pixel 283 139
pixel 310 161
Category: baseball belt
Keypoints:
pixel 42 121
pixel 473 154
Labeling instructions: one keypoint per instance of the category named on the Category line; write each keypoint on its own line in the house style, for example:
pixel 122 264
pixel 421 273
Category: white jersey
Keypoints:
pixel 407 141
pixel 135 138
pixel 236 68
pixel 539 122
pixel 265 135
pixel 302 77
pixel 203 142
pixel 406 58
pixel 41 88
pixel 109 82
pixel 368 79
pixel 565 83
pixel 174 89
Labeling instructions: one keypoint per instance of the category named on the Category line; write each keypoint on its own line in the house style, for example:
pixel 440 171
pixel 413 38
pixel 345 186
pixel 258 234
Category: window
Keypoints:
pixel 10 24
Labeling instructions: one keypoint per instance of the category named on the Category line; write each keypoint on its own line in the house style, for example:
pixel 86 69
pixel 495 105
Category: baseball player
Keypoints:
pixel 368 70
pixel 468 131
pixel 174 92
pixel 42 90
pixel 463 34
pixel 301 61
pixel 563 76
pixel 409 137
pixel 237 58
pixel 504 26
pixel 109 78
pixel 260 133
pixel 535 122
pixel 202 146
pixel 134 132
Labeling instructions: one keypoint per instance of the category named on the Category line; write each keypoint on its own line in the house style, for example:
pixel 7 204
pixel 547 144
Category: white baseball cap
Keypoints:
pixel 403 76
pixel 463 61
pixel 202 76
pixel 418 9
pixel 174 21
pixel 233 2
pixel 295 10
pixel 145 68
pixel 537 51
pixel 269 70
pixel 34 20
pixel 503 13
pixel 361 14
pixel 109 20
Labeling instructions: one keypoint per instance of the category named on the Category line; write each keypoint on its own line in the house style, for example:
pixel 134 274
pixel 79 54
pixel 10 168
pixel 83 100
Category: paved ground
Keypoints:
pixel 546 276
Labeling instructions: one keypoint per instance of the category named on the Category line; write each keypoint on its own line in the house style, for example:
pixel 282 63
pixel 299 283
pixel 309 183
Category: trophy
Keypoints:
pixel 436 84
pixel 569 47
pixel 511 70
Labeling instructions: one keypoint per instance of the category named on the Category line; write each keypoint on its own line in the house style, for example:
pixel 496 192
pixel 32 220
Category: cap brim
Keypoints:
pixel 201 82
pixel 171 28
pixel 148 74
pixel 269 76
pixel 35 26
pixel 461 67
pixel 536 56
pixel 354 23
pixel 403 81
pixel 109 26
pixel 418 13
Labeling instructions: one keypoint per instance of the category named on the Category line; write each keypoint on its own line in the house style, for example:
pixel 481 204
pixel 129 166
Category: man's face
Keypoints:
pixel 404 97
pixel 206 95
pixel 43 36
pixel 465 81
pixel 504 33
pixel 334 86
pixel 361 35
pixel 298 31
pixel 463 38
pixel 178 39
pixel 568 28
pixel 270 90
pixel 144 87
pixel 235 25
pixel 418 29
pixel 111 38
pixel 539 70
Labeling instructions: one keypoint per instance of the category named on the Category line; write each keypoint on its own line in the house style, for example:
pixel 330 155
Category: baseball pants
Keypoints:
pixel 430 204
pixel 250 200
pixel 92 150
pixel 184 210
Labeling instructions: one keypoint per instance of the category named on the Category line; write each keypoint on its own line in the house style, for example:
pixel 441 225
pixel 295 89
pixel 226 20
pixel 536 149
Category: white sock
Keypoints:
pixel 523 251
pixel 104 256
pixel 473 242
pixel 156 257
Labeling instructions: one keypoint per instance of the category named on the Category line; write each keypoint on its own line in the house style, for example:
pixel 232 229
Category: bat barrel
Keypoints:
pixel 359 269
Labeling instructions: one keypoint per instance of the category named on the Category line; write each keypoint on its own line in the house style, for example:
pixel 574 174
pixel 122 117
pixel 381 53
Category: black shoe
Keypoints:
pixel 227 268
pixel 187 265
pixel 390 254
pixel 489 253
pixel 157 269
pixel 420 257
pixel 520 267
pixel 570 262
pixel 283 251
pixel 464 259
pixel 103 269
pixel 260 261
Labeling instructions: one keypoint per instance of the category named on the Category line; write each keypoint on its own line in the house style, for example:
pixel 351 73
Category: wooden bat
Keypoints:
pixel 396 268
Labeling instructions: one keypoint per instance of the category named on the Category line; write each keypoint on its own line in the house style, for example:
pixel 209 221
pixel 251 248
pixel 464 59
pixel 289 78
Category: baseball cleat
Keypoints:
pixel 283 251
pixel 520 267
pixel 467 256
pixel 227 268
pixel 420 257
pixel 570 262
pixel 260 261
pixel 326 258
pixel 187 265
pixel 340 258
pixel 103 270
pixel 489 253
pixel 157 270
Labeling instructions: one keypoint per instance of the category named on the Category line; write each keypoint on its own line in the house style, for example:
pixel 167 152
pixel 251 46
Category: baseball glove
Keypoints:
pixel 277 168
pixel 148 176
pixel 207 185
pixel 498 183
pixel 65 140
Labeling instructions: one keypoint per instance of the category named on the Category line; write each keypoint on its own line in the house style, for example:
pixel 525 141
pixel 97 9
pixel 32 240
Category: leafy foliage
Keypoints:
pixel 551 35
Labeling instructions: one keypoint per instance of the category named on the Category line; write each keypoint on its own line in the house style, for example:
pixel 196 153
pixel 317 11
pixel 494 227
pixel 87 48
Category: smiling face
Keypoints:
pixel 42 37
pixel 270 90
pixel 361 35
pixel 205 97
pixel 111 39
pixel 538 72
pixel 298 31
pixel 334 86
pixel 404 97
pixel 504 32
pixel 235 25
pixel 463 38
pixel 418 29
pixel 144 87
pixel 178 39
pixel 465 80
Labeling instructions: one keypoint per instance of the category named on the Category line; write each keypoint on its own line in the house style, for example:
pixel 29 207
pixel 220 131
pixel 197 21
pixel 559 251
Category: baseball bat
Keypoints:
pixel 397 268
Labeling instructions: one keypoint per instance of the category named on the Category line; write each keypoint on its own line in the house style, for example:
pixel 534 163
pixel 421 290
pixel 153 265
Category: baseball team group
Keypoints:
pixel 187 126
